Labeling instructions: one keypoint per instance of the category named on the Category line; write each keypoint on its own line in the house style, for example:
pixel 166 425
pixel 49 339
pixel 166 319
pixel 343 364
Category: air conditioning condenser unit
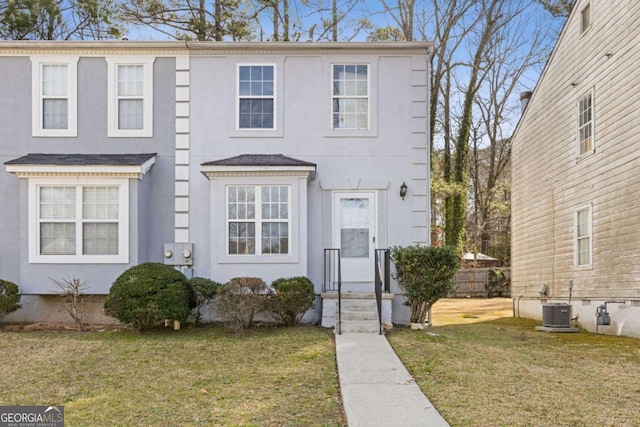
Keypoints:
pixel 556 315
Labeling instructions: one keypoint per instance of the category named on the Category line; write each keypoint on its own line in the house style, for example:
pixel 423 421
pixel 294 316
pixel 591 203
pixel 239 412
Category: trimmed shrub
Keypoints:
pixel 425 273
pixel 205 291
pixel 293 297
pixel 149 293
pixel 239 300
pixel 9 298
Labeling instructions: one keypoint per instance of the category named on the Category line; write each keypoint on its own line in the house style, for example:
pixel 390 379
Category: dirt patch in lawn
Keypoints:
pixel 453 311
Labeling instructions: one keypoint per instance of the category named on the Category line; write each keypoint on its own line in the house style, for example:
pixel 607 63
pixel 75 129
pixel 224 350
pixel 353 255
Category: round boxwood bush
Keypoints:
pixel 9 297
pixel 149 293
pixel 293 297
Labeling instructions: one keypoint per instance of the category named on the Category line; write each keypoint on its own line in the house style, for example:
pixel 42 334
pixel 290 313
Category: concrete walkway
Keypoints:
pixel 377 389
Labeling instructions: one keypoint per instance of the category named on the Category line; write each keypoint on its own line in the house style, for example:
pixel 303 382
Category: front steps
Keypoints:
pixel 359 311
pixel 359 315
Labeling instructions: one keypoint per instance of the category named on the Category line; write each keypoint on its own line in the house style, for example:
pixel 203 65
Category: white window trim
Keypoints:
pixel 147 103
pixel 592 125
pixel 258 220
pixel 37 62
pixel 275 97
pixel 296 178
pixel 589 209
pixel 123 222
pixel 327 111
pixel 333 96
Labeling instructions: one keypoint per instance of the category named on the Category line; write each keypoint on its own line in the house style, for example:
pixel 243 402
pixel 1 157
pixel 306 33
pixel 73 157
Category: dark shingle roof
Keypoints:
pixel 82 159
pixel 259 160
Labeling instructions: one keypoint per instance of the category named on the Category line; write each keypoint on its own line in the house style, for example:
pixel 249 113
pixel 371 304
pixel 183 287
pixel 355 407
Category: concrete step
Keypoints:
pixel 359 315
pixel 359 305
pixel 363 326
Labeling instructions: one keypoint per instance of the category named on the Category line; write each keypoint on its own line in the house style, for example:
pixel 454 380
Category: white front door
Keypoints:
pixel 354 233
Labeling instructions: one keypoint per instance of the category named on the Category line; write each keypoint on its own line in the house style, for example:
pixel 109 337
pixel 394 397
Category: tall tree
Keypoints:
pixel 495 112
pixel 191 19
pixel 492 17
pixel 453 22
pixel 58 20
pixel 403 14
pixel 479 59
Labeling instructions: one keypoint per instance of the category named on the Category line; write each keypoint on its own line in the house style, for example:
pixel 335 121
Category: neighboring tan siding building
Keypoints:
pixel 251 158
pixel 576 173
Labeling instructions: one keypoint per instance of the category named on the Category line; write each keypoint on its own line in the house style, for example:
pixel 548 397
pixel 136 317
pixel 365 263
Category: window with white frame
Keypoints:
pixel 130 93
pixel 585 18
pixel 54 96
pixel 79 222
pixel 350 96
pixel 585 124
pixel 583 236
pixel 258 219
pixel 256 97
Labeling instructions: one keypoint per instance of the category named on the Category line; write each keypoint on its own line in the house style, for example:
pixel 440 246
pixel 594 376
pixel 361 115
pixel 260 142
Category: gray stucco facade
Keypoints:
pixel 346 184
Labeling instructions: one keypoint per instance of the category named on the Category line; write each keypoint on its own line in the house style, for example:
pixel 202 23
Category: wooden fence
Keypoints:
pixel 472 282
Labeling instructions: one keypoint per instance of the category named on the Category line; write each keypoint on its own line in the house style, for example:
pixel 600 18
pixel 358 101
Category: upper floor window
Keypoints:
pixel 585 18
pixel 256 97
pixel 54 96
pixel 585 124
pixel 79 221
pixel 350 96
pixel 130 97
pixel 258 220
pixel 583 236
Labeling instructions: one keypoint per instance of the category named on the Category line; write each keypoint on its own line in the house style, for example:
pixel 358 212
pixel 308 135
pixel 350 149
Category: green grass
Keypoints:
pixel 204 376
pixel 504 373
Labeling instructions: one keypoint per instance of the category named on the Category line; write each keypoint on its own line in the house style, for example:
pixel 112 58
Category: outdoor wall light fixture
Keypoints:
pixel 403 190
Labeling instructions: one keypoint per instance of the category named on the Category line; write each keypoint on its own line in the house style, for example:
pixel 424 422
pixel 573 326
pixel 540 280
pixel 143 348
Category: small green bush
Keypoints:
pixel 9 298
pixel 425 273
pixel 239 300
pixel 293 297
pixel 205 291
pixel 149 293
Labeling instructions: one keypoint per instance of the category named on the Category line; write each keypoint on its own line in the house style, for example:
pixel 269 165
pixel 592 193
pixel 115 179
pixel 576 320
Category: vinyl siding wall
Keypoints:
pixel 549 180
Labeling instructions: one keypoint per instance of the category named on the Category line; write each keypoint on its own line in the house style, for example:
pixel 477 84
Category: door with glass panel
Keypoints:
pixel 354 234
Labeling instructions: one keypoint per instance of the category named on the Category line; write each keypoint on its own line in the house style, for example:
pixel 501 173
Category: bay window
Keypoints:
pixel 258 220
pixel 79 222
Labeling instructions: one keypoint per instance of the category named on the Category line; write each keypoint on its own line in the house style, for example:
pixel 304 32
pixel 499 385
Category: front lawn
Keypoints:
pixel 205 376
pixel 504 373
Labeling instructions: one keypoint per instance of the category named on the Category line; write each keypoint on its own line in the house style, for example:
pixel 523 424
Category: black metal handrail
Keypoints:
pixel 327 280
pixel 382 279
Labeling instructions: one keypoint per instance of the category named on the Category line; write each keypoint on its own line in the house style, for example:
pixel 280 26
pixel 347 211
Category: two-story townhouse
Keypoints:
pixel 224 159
pixel 575 166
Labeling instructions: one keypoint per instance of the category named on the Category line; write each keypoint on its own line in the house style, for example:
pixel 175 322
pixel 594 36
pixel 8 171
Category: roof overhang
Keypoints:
pixel 98 165
pixel 172 48
pixel 216 171
pixel 259 165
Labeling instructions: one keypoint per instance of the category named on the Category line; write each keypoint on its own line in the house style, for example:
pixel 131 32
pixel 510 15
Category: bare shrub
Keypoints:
pixel 239 300
pixel 73 296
